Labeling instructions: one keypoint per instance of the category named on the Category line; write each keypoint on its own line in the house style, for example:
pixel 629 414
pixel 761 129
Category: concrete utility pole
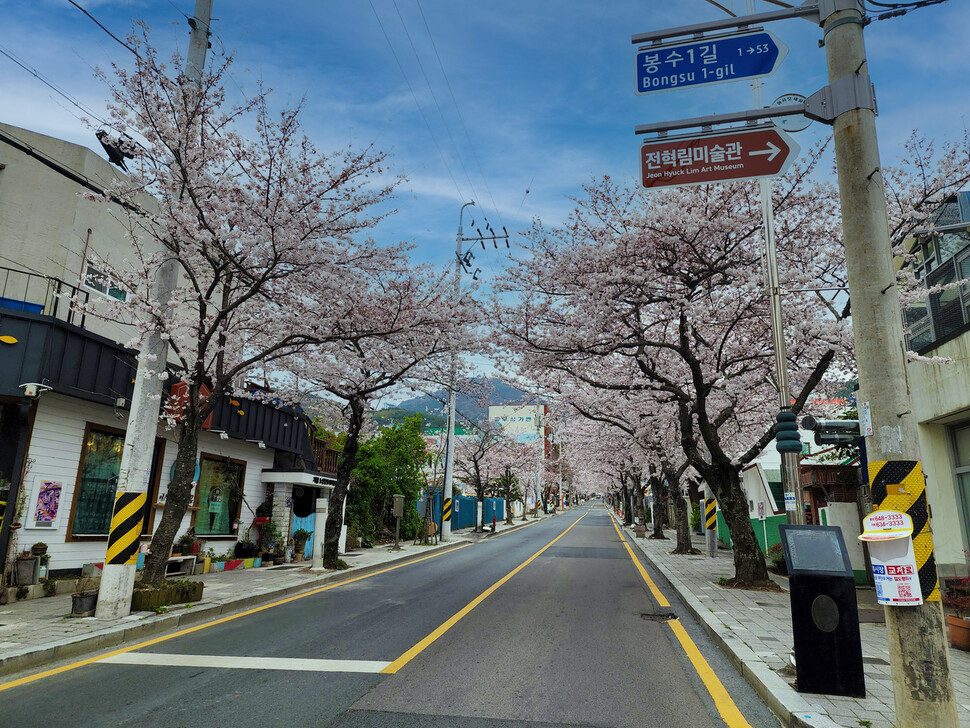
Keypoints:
pixel 118 576
pixel 452 384
pixel 922 684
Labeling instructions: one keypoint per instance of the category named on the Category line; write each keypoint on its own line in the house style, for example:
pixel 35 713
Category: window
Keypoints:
pixel 218 496
pixel 101 282
pixel 961 454
pixel 97 481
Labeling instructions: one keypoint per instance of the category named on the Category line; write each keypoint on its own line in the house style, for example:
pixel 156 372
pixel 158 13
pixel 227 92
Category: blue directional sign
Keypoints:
pixel 734 57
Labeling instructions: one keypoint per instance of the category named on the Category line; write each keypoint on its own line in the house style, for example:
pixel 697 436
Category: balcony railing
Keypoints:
pixel 35 293
pixel 325 457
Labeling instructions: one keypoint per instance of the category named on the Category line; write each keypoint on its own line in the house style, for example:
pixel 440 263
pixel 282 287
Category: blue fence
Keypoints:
pixel 463 510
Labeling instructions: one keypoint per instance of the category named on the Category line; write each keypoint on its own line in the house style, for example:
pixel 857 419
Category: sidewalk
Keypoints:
pixel 754 630
pixel 37 632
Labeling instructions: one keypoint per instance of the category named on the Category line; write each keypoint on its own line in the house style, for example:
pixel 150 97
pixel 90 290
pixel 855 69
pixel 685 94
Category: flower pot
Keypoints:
pixel 959 631
pixel 277 560
pixel 38 550
pixel 83 603
pixel 25 571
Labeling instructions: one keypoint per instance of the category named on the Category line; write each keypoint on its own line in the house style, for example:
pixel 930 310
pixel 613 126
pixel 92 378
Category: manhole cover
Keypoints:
pixel 662 617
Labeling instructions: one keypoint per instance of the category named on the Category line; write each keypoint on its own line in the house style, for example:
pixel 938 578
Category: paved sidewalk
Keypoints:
pixel 37 632
pixel 754 630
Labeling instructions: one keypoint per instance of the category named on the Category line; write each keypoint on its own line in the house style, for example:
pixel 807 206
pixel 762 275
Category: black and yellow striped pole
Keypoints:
pixel 710 514
pixel 125 531
pixel 898 485
pixel 446 513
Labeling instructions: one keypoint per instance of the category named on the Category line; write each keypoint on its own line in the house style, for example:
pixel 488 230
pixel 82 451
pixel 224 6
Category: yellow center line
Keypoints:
pixel 454 619
pixel 206 625
pixel 722 699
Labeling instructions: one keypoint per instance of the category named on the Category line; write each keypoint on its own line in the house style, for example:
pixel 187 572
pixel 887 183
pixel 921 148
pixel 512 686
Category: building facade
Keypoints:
pixel 66 379
pixel 939 326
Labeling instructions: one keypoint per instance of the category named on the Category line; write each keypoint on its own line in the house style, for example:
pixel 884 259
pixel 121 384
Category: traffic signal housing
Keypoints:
pixel 833 432
pixel 787 438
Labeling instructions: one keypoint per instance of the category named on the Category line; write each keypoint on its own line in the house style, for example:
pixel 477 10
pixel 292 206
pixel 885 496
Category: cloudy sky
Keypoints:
pixel 511 103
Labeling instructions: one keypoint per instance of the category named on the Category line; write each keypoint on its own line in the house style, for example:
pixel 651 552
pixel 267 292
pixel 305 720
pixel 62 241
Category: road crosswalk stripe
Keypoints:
pixel 237 662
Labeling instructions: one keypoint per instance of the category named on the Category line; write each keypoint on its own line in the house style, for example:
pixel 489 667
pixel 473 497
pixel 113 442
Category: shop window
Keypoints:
pixel 218 496
pixel 97 482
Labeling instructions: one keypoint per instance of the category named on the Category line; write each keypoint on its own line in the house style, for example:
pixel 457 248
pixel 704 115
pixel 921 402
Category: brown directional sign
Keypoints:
pixel 716 157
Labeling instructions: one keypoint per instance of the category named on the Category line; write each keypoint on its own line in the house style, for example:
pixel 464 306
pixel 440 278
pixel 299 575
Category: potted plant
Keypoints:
pixel 957 598
pixel 300 537
pixel 84 599
pixel 38 549
pixel 186 543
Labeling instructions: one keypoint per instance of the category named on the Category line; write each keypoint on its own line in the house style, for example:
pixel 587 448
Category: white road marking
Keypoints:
pixel 246 663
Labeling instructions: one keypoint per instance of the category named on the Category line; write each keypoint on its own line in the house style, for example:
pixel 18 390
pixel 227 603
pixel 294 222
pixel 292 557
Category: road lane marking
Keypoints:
pixel 657 594
pixel 722 700
pixel 148 643
pixel 457 616
pixel 235 662
pixel 726 707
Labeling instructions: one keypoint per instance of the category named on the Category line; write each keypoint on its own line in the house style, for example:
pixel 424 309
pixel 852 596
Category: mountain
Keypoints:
pixel 468 407
pixel 393 415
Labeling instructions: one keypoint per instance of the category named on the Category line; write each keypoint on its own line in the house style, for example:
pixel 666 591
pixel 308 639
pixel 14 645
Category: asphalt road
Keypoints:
pixel 572 638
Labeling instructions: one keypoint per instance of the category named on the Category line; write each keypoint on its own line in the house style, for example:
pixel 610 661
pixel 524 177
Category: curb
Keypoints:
pixel 30 658
pixel 787 705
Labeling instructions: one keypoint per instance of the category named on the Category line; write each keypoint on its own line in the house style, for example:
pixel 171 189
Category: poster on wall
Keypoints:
pixel 894 570
pixel 47 504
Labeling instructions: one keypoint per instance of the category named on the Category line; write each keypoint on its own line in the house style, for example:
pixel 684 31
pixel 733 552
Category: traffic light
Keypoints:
pixel 833 432
pixel 787 438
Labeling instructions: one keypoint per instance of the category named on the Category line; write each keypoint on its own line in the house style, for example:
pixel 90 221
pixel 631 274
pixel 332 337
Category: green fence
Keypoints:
pixel 766 530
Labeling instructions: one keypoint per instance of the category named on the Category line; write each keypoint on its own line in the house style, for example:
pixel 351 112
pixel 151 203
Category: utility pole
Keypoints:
pixel 118 576
pixel 452 384
pixel 922 683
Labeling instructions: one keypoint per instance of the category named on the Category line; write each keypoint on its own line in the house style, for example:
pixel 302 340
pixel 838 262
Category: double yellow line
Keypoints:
pixel 457 616
pixel 719 694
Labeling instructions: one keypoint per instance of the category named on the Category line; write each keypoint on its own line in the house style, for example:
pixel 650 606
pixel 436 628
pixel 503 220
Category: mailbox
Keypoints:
pixel 825 616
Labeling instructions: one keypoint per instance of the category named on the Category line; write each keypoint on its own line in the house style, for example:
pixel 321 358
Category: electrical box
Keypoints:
pixel 825 616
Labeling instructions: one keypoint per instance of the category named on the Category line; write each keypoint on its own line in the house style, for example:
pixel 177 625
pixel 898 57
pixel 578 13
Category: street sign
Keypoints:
pixel 720 59
pixel 794 122
pixel 716 157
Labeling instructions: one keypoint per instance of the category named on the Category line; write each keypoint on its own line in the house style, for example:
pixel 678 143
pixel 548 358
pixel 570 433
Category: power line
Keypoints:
pixel 434 98
pixel 103 28
pixel 461 118
pixel 50 84
pixel 416 103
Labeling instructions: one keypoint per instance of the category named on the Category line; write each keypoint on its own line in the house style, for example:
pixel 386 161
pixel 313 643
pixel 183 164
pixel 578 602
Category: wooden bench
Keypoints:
pixel 180 566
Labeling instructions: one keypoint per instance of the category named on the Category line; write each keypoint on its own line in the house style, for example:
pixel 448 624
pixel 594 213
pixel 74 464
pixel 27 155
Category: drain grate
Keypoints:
pixel 662 617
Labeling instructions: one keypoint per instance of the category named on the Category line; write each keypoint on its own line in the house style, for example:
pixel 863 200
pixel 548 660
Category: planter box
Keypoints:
pixel 959 629
pixel 144 600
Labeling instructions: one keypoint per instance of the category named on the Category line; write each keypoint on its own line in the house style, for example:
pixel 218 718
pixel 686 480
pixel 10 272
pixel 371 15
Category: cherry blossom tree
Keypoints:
pixel 417 326
pixel 262 229
pixel 662 294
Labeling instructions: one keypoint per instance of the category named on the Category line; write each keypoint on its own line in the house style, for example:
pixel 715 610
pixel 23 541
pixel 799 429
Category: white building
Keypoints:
pixel 61 440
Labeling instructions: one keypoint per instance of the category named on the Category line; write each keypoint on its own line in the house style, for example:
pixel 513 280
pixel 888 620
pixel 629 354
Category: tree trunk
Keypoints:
pixel 682 523
pixel 749 562
pixel 345 466
pixel 659 491
pixel 176 503
pixel 627 510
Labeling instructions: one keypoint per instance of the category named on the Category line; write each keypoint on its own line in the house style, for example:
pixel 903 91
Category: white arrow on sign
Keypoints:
pixel 771 151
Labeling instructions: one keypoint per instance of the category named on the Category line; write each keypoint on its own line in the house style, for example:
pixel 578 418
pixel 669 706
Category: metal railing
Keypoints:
pixel 36 293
